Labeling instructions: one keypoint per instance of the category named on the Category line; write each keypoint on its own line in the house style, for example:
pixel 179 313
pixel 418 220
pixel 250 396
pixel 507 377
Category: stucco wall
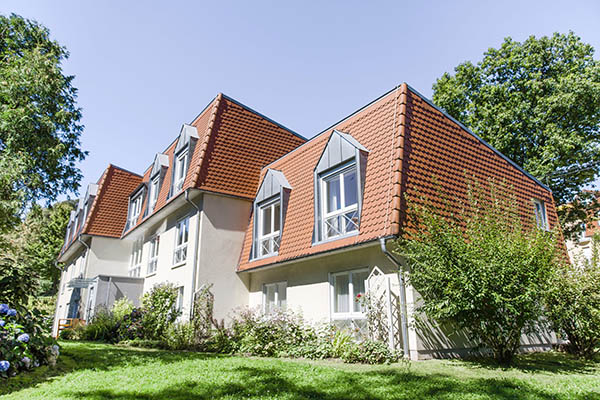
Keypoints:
pixel 224 222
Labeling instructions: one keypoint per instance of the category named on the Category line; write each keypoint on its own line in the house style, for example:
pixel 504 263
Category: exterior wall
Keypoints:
pixel 107 289
pixel 308 287
pixel 222 228
pixel 108 256
pixel 180 274
pixel 309 292
pixel 580 250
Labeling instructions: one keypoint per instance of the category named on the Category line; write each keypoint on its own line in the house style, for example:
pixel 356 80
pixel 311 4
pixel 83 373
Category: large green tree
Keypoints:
pixel 537 102
pixel 39 120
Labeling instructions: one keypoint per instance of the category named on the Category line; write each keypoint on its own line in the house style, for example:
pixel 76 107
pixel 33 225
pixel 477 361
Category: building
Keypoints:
pixel 271 220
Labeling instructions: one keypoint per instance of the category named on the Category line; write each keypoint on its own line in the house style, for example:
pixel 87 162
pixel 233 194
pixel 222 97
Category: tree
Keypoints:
pixel 573 303
pixel 482 270
pixel 39 120
pixel 538 103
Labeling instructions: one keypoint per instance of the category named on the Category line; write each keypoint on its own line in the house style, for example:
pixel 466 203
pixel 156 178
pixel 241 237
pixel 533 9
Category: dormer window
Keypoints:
pixel 154 188
pixel 269 213
pixel 339 201
pixel 180 171
pixel 339 177
pixel 269 227
pixel 135 207
pixel 540 214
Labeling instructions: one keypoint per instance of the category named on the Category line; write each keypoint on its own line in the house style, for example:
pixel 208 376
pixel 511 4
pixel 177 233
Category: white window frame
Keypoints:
pixel 274 235
pixel 541 220
pixel 324 215
pixel 135 208
pixel 351 314
pixel 154 188
pixel 277 285
pixel 180 165
pixel 135 260
pixel 154 244
pixel 181 248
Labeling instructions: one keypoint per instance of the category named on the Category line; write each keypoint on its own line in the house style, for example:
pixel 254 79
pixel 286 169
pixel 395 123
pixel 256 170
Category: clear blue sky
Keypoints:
pixel 144 68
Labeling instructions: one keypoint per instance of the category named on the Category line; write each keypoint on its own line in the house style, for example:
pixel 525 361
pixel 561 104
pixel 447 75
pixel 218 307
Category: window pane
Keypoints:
pixel 341 283
pixel 277 216
pixel 266 220
pixel 351 221
pixel 332 189
pixel 350 189
pixel 358 283
pixel 282 288
pixel 270 298
pixel 186 223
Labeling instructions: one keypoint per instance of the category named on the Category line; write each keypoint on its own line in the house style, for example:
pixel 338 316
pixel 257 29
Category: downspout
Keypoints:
pixel 403 311
pixel 196 249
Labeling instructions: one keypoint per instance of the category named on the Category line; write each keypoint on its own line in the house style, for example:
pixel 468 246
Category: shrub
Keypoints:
pixel 181 336
pixel 103 327
pixel 122 308
pixel 573 305
pixel 483 270
pixel 158 310
pixel 130 327
pixel 24 343
pixel 68 334
pixel 368 352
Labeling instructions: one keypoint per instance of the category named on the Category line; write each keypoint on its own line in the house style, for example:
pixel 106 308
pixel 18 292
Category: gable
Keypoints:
pixel 271 185
pixel 340 147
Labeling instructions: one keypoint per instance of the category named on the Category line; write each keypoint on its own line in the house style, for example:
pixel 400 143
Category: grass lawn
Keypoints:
pixel 99 371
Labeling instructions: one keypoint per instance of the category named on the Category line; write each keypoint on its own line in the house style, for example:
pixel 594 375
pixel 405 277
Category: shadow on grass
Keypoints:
pixel 260 382
pixel 78 356
pixel 549 362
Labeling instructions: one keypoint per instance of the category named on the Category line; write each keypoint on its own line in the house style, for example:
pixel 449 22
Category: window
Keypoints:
pixel 135 208
pixel 154 186
pixel 179 303
pixel 339 202
pixel 153 258
pixel 269 226
pixel 180 171
pixel 345 288
pixel 181 239
pixel 135 263
pixel 540 214
pixel 274 297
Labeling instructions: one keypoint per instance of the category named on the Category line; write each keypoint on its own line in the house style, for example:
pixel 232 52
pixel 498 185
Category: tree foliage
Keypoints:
pixel 573 303
pixel 482 270
pixel 39 119
pixel 537 102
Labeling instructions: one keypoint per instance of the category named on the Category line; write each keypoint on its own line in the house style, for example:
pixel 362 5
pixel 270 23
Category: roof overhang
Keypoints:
pixel 74 248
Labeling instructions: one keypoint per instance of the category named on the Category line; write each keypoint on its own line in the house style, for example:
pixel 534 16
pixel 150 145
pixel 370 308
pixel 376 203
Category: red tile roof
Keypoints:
pixel 234 143
pixel 108 212
pixel 415 151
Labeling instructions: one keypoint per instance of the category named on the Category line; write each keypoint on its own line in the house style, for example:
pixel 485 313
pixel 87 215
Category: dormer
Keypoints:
pixel 135 206
pixel 338 186
pixel 159 168
pixel 181 158
pixel 270 205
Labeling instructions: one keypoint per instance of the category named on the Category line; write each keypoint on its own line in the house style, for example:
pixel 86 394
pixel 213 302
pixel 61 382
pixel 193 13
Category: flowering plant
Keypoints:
pixel 24 344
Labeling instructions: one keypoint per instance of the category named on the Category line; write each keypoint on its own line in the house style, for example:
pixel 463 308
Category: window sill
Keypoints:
pixel 181 264
pixel 338 317
pixel 265 256
pixel 333 239
pixel 151 275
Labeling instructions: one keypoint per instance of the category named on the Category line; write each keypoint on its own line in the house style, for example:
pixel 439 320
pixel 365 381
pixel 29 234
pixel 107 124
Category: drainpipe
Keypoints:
pixel 403 320
pixel 196 249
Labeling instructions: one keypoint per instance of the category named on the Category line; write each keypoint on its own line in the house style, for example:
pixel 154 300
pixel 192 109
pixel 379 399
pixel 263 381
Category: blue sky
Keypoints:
pixel 144 68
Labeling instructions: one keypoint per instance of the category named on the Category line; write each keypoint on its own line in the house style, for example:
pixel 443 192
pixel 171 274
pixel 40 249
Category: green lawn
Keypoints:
pixel 98 371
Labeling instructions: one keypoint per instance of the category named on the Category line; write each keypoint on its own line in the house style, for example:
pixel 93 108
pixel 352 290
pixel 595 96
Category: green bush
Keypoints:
pixel 130 327
pixel 573 305
pixel 149 344
pixel 122 308
pixel 181 336
pixel 368 352
pixel 68 334
pixel 103 327
pixel 158 310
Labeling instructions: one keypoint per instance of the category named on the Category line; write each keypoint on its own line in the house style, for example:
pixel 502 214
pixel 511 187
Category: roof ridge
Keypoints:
pixel 207 135
pixel 124 170
pixel 460 124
